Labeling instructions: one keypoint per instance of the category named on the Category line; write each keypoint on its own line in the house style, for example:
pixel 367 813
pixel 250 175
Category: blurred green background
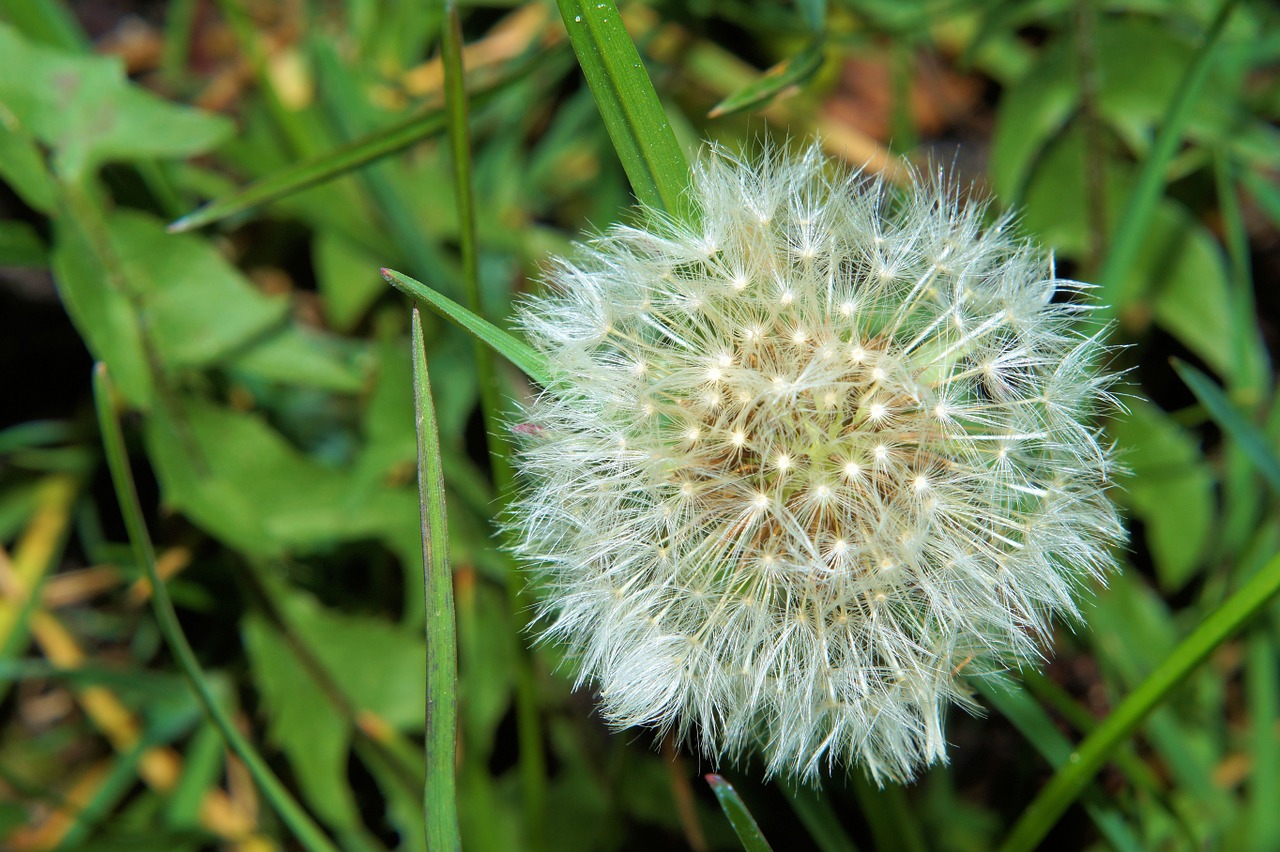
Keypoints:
pixel 264 366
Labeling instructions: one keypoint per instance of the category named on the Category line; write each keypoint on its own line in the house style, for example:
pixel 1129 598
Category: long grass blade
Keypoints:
pixel 505 344
pixel 629 105
pixel 327 166
pixel 1248 436
pixel 291 813
pixel 440 795
pixel 1072 777
pixel 1114 279
pixel 744 824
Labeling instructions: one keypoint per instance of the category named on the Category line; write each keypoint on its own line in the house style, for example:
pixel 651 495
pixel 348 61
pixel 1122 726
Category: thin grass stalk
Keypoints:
pixel 532 762
pixel 304 829
pixel 1115 280
pixel 1096 749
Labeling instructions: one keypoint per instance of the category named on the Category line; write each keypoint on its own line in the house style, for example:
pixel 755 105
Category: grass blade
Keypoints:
pixel 744 824
pixel 1038 729
pixel 791 71
pixel 887 815
pixel 1072 777
pixel 291 813
pixel 1114 279
pixel 504 343
pixel 818 818
pixel 326 166
pixel 440 793
pixel 633 115
pixel 1249 438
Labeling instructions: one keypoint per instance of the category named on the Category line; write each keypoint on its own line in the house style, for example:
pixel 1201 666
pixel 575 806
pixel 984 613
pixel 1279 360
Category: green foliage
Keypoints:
pixel 264 382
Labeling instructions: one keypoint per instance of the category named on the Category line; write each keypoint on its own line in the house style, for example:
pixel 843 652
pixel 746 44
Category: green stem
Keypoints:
pixel 302 826
pixel 1117 286
pixel 532 762
pixel 1085 761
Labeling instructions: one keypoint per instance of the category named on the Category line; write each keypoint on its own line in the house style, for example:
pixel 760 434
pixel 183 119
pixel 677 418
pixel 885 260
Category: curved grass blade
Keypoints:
pixel 291 813
pixel 345 158
pixel 1114 279
pixel 331 164
pixel 633 115
pixel 1072 777
pixel 791 71
pixel 744 824
pixel 1248 436
pixel 440 792
pixel 1038 729
pixel 505 344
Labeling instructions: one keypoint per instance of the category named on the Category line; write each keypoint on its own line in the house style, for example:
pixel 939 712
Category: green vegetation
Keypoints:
pixel 215 622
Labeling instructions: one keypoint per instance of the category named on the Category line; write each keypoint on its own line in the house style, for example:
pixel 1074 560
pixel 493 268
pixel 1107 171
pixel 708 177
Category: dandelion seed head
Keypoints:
pixel 833 456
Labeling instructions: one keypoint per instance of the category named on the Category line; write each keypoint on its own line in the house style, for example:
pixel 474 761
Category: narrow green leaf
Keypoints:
pixel 789 72
pixel 1038 728
pixel 628 103
pixel 744 824
pixel 440 795
pixel 505 344
pixel 324 167
pixel 1096 749
pixel 1117 285
pixel 339 161
pixel 819 819
pixel 888 815
pixel 291 813
pixel 1262 691
pixel 1247 435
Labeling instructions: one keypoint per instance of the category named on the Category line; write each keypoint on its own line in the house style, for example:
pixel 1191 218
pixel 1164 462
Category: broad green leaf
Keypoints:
pixel 1032 111
pixel 85 109
pixel 792 71
pixel 344 644
pixel 299 356
pixel 22 166
pixel 20 245
pixel 1140 62
pixel 120 274
pixel 1170 490
pixel 347 276
pixel 199 307
pixel 95 299
pixel 303 722
pixel 1178 268
pixel 238 478
pixel 1118 284
pixel 814 13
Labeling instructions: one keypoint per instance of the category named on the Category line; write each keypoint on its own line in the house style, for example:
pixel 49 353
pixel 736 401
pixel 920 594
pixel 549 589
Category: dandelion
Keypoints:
pixel 806 465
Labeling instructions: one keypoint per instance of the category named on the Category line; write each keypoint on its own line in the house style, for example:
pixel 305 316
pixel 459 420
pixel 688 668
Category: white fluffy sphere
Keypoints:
pixel 806 464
